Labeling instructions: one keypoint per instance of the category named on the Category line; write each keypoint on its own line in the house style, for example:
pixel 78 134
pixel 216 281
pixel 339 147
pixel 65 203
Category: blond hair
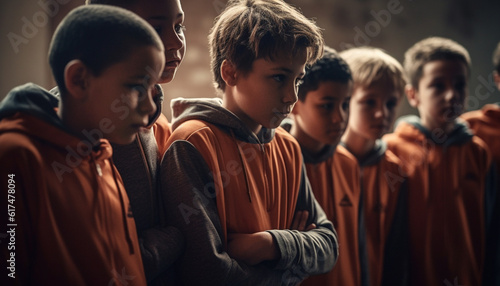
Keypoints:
pixel 372 65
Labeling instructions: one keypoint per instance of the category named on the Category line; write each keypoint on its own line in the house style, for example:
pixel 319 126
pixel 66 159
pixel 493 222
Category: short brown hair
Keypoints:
pixel 372 65
pixel 432 49
pixel 251 29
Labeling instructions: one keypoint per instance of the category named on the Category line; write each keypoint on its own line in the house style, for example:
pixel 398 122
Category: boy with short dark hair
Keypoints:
pixel 319 120
pixel 234 182
pixel 73 221
pixel 139 162
pixel 379 83
pixel 449 169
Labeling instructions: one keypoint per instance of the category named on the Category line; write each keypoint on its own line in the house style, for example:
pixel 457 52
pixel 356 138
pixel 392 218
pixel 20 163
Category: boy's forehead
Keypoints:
pixel 381 87
pixel 330 90
pixel 444 67
pixel 284 60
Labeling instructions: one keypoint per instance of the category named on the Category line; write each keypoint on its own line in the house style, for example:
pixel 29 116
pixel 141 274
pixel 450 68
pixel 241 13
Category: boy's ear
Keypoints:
pixel 412 95
pixel 496 77
pixel 228 73
pixel 76 78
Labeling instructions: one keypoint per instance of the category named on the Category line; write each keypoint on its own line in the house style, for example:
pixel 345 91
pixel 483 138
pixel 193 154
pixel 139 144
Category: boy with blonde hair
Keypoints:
pixel 234 182
pixel 451 191
pixel 379 83
pixel 73 223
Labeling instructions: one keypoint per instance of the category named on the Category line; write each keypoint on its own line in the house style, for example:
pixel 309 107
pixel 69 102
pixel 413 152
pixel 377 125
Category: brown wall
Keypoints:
pixel 475 24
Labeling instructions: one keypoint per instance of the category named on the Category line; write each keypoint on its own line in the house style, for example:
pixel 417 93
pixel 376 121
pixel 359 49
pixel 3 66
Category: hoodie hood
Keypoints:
pixel 375 155
pixel 30 109
pixel 460 134
pixel 33 100
pixel 211 111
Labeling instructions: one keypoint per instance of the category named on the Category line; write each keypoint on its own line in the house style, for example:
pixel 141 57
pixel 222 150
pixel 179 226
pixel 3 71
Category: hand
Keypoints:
pixel 300 220
pixel 252 248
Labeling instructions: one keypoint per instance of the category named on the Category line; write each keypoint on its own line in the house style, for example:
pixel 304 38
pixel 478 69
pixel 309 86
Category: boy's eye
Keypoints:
pixel 391 104
pixel 460 86
pixel 180 28
pixel 345 104
pixel 157 29
pixel 327 106
pixel 438 86
pixel 370 102
pixel 138 89
pixel 279 78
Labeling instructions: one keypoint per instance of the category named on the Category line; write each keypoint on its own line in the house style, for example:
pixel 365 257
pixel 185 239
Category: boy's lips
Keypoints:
pixel 139 126
pixel 173 63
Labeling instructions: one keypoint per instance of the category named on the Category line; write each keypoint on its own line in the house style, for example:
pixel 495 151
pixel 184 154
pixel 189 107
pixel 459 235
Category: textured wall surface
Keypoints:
pixel 393 25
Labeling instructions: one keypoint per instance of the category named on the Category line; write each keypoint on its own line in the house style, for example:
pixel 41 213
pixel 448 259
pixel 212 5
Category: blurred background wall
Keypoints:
pixel 393 25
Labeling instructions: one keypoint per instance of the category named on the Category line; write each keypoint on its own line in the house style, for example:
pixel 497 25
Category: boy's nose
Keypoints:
pixel 338 115
pixel 381 112
pixel 451 94
pixel 290 95
pixel 174 41
pixel 147 104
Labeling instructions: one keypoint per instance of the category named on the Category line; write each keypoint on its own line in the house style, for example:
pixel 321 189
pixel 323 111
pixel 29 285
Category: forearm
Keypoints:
pixel 308 252
pixel 205 261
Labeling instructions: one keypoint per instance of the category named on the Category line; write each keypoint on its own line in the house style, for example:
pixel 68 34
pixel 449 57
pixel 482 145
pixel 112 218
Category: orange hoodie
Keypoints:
pixel 334 179
pixel 384 199
pixel 221 178
pixel 448 207
pixel 73 222
pixel 485 124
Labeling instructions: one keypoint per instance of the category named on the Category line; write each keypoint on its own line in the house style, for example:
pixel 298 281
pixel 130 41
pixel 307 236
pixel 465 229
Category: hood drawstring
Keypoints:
pixel 242 165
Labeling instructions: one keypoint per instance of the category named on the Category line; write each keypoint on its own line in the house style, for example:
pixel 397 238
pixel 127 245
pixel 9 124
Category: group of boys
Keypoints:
pixel 289 178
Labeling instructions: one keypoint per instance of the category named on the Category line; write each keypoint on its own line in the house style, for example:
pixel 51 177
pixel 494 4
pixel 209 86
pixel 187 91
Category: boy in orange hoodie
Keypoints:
pixel 234 180
pixel 71 222
pixel 319 120
pixel 451 185
pixel 485 124
pixel 139 162
pixel 379 83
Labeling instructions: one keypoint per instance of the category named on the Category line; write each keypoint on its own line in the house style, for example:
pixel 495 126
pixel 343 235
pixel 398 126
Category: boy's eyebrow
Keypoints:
pixel 285 70
pixel 180 15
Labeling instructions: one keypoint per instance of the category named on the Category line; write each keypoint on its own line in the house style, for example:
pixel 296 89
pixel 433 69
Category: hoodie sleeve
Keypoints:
pixel 160 247
pixel 312 252
pixel 191 208
pixel 21 191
